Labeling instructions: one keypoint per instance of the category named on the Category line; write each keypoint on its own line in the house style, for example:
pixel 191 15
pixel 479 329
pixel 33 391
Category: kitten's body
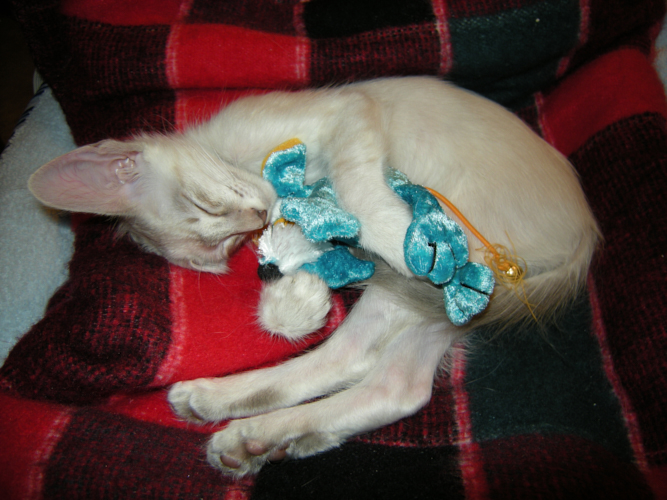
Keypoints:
pixel 191 197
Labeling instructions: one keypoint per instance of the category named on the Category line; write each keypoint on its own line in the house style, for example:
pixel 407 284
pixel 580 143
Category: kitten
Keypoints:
pixel 194 196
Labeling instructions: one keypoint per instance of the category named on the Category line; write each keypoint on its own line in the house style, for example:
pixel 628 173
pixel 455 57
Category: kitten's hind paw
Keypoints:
pixel 294 306
pixel 233 454
pixel 198 401
pixel 179 399
pixel 246 445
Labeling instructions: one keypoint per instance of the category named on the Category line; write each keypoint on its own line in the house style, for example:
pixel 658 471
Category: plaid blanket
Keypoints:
pixel 573 412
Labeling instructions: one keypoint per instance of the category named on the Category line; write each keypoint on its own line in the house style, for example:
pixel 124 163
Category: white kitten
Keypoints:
pixel 193 197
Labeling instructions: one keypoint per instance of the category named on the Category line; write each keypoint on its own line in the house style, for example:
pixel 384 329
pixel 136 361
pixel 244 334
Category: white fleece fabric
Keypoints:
pixel 36 244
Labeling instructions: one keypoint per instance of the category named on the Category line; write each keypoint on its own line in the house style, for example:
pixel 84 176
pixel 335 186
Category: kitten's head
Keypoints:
pixel 174 197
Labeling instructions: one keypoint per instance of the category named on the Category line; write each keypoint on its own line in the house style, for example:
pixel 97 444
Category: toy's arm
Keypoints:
pixel 434 246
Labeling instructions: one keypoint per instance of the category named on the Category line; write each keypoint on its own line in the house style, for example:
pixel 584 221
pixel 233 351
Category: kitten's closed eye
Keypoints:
pixel 208 206
pixel 207 209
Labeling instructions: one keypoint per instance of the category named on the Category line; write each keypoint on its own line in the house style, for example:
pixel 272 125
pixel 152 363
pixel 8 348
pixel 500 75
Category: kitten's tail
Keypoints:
pixel 542 295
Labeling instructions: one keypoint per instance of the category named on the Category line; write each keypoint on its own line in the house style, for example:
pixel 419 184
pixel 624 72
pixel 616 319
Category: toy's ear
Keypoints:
pixel 99 178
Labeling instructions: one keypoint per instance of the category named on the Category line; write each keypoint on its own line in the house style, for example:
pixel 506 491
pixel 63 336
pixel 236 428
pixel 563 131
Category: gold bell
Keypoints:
pixel 512 273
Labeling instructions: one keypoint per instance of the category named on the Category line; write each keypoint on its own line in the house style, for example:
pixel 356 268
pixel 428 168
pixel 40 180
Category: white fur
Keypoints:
pixel 294 305
pixel 379 365
pixel 298 303
pixel 285 246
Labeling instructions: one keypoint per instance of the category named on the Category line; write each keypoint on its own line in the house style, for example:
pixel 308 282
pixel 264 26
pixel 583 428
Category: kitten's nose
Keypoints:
pixel 262 214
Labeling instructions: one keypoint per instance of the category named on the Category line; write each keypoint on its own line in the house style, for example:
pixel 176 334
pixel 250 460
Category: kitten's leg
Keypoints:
pixel 358 154
pixel 397 386
pixel 343 359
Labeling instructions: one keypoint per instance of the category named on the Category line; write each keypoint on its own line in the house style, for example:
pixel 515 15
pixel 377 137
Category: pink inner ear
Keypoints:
pixel 94 179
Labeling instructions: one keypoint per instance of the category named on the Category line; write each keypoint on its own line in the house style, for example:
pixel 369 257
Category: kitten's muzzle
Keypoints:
pixel 263 215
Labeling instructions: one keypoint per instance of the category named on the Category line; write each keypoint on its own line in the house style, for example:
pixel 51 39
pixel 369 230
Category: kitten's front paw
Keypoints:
pixel 294 306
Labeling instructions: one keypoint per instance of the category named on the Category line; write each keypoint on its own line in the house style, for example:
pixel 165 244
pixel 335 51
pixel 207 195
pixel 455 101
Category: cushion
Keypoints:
pixel 573 410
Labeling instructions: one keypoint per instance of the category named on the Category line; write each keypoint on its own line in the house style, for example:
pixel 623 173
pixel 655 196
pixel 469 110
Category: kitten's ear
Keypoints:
pixel 99 178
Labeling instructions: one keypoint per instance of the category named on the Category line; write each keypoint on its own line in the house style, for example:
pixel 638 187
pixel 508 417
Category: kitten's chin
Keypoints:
pixel 213 268
pixel 216 262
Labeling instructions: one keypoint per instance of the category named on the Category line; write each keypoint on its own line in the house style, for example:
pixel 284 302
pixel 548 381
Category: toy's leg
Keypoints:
pixel 344 359
pixel 398 385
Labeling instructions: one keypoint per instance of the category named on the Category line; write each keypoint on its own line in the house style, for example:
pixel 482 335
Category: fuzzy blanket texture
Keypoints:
pixel 573 412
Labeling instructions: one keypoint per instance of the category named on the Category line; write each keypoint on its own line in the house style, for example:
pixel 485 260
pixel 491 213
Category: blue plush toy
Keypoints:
pixel 435 246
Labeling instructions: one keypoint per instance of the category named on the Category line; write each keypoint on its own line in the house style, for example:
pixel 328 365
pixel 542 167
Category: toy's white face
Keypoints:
pixel 285 246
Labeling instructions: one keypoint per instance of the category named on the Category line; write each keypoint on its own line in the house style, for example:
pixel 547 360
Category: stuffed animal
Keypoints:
pixel 315 234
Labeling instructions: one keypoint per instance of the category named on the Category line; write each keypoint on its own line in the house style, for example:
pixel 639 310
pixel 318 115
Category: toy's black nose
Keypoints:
pixel 269 272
